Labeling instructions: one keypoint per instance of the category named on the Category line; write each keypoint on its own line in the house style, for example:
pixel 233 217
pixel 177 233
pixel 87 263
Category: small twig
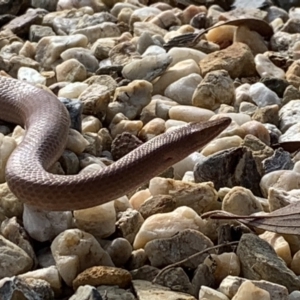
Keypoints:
pixel 177 264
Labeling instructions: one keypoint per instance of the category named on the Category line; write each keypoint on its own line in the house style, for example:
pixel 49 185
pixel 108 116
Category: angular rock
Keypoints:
pixel 86 292
pixel 280 160
pixel 230 285
pixel 235 166
pixel 162 252
pixel 147 290
pixel 25 288
pixel 236 59
pixel 259 261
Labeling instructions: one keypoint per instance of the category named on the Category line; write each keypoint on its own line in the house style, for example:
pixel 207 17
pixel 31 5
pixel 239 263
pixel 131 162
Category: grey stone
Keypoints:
pixel 175 279
pixel 37 32
pixel 144 273
pixel 20 25
pixel 203 276
pixel 259 261
pixel 10 7
pixel 157 204
pixel 25 288
pixel 146 290
pixel 69 162
pixel 75 110
pixel 86 292
pixel 277 85
pixel 281 160
pixel 231 167
pixel 165 251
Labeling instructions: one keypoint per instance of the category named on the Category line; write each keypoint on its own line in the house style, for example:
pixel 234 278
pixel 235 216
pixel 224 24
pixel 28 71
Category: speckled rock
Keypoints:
pixel 215 89
pixel 160 254
pixel 229 286
pixel 130 99
pixel 252 250
pixel 230 167
pixel 25 288
pixel 71 70
pixel 101 275
pixel 241 201
pixel 15 260
pixel 248 291
pixel 70 250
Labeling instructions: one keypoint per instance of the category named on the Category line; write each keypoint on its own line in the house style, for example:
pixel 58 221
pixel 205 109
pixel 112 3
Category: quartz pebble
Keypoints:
pixel 279 244
pixel 181 218
pixel 70 250
pixel 241 201
pixel 249 291
pixel 266 68
pixel 263 96
pixel 53 223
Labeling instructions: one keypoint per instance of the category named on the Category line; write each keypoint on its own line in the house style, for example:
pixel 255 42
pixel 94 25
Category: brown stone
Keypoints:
pixel 237 60
pixel 101 275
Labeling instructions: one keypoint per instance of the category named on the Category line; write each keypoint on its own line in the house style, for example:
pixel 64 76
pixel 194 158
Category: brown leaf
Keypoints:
pixel 285 220
pixel 260 26
pixel 290 146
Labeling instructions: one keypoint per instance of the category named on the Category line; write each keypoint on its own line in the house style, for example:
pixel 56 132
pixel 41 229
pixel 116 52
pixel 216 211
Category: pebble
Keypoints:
pixel 17 261
pixel 215 89
pixel 237 60
pixel 31 75
pixel 71 70
pixel 221 144
pixel 7 145
pixel 288 115
pixel 189 113
pixel 248 290
pixel 241 201
pixel 230 285
pixel 70 250
pixel 283 179
pixel 177 71
pixel 178 54
pixel 131 99
pixel 53 223
pixel 209 293
pixel 264 254
pixel 103 275
pixel 152 129
pixel 258 130
pixel 223 265
pixel 98 221
pixel 10 205
pixel 263 96
pixel 167 224
pixel 279 244
pixel 183 89
pixel 49 49
pixel 266 68
pixel 147 68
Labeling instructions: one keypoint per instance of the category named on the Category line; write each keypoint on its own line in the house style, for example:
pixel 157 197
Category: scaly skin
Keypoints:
pixel 47 125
